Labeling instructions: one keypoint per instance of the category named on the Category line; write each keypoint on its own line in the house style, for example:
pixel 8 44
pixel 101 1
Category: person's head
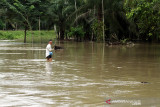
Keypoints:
pixel 50 42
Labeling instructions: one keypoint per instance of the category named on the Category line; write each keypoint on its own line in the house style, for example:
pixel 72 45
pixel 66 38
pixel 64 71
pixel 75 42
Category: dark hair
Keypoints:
pixel 50 40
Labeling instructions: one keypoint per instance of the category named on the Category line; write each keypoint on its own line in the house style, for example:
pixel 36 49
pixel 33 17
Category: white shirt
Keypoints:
pixel 48 49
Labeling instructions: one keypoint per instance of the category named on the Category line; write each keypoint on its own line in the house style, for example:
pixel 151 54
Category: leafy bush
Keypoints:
pixel 97 28
pixel 76 32
pixel 146 16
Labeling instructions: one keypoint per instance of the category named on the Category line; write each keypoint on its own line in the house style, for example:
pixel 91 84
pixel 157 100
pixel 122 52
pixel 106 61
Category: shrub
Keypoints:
pixel 76 32
pixel 97 28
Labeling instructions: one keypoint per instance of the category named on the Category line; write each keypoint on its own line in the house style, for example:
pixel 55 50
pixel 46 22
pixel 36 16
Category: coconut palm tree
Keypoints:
pixel 109 12
pixel 59 10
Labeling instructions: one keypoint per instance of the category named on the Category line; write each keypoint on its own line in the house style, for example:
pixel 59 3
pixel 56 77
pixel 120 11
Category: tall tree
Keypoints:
pixel 59 10
pixel 24 9
pixel 145 15
pixel 114 17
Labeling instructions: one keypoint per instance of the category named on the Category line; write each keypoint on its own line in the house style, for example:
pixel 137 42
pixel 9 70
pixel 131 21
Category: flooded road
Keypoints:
pixel 83 74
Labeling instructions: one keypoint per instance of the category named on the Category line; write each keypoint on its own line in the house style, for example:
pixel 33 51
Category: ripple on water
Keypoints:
pixel 22 48
pixel 73 78
pixel 12 53
pixel 121 83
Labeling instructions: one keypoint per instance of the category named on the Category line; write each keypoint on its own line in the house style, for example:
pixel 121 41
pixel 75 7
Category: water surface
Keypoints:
pixel 83 74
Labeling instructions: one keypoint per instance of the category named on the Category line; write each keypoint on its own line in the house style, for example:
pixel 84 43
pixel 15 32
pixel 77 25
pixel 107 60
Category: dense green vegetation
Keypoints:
pixel 96 20
pixel 146 17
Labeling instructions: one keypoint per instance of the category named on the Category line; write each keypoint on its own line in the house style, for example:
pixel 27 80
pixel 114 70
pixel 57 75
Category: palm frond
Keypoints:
pixel 83 16
pixel 68 9
pixel 82 8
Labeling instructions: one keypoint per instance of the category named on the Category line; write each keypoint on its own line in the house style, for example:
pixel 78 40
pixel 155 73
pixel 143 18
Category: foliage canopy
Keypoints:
pixel 85 19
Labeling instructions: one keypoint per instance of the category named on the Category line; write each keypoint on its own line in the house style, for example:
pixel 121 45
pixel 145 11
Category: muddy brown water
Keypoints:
pixel 83 74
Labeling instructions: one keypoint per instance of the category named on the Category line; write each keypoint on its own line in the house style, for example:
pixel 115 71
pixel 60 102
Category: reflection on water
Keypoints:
pixel 83 74
pixel 49 67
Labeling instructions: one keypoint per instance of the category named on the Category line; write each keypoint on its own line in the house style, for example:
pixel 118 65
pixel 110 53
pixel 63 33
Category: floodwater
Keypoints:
pixel 81 75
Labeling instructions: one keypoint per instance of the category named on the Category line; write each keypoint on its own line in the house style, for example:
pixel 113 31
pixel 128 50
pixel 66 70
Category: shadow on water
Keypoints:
pixel 83 74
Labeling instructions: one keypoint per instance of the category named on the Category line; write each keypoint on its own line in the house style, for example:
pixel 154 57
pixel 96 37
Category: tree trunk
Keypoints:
pixel 5 25
pixel 16 26
pixel 62 30
pixel 61 34
pixel 100 13
pixel 25 34
pixel 58 34
pixel 103 20
pixel 39 24
pixel 76 9
pixel 27 26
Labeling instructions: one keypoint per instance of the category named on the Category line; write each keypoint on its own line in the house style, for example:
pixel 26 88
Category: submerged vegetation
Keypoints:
pixel 93 20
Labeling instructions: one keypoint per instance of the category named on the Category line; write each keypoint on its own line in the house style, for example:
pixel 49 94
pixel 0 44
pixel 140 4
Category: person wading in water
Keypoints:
pixel 49 51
